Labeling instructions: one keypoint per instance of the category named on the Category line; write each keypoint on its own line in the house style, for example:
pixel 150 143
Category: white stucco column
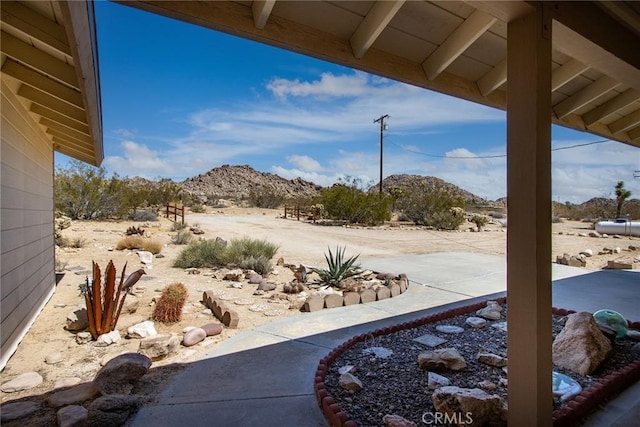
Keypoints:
pixel 529 210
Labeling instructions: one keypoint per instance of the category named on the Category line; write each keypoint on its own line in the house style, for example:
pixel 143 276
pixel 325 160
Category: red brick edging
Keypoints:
pixel 570 414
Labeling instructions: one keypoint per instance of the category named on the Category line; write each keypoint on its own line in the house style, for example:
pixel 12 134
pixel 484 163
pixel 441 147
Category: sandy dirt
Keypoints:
pixel 299 243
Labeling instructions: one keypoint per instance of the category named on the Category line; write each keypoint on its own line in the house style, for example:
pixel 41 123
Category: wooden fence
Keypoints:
pixel 296 212
pixel 173 210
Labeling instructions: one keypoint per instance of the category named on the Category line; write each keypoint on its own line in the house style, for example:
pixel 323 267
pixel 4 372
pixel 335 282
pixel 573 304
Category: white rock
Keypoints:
pixel 146 257
pixel 587 252
pixel 435 381
pixel 22 382
pixel 53 358
pixel 108 339
pixel 142 330
pixel 66 382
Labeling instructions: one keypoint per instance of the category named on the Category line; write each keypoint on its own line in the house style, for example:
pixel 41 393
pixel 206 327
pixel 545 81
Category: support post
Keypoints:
pixel 529 207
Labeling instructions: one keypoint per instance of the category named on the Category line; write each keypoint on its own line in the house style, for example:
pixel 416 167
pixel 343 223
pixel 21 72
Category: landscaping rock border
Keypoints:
pixel 570 414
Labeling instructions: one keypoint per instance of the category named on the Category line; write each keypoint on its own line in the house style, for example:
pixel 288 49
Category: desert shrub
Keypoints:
pixel 75 242
pixel 60 265
pixel 266 198
pixel 201 253
pixel 240 249
pixel 168 309
pixel 182 237
pixel 144 216
pixel 480 221
pixel 435 206
pixel 556 219
pixel 177 226
pixel 138 242
pixel 198 208
pixel 260 264
pixel 347 201
pixel 338 268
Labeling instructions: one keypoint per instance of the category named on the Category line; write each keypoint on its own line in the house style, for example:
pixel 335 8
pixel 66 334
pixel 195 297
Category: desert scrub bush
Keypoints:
pixel 260 264
pixel 435 206
pixel 239 250
pixel 182 237
pixel 139 242
pixel 144 216
pixel 169 306
pixel 347 201
pixel 201 253
pixel 338 268
pixel 75 242
pixel 480 221
pixel 198 208
pixel 177 226
pixel 266 198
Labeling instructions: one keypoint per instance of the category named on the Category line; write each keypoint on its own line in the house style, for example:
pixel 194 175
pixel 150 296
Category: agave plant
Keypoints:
pixel 104 303
pixel 339 268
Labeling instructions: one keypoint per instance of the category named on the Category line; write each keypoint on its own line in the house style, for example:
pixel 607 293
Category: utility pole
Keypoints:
pixel 383 127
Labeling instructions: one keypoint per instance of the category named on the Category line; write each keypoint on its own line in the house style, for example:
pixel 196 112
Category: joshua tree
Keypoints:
pixel 622 194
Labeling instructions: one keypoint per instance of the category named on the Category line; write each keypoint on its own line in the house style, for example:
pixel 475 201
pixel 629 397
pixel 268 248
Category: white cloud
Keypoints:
pixel 124 133
pixel 305 163
pixel 328 85
pixel 137 160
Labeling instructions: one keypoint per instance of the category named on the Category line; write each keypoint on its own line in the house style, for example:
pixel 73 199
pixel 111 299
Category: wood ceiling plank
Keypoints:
pixel 611 107
pixel 372 25
pixel 66 150
pixel 64 129
pixel 626 123
pixel 634 135
pixel 467 33
pixel 80 148
pixel 85 142
pixel 41 61
pixel 578 100
pixel 261 9
pixel 566 72
pixel 59 118
pixel 493 79
pixel 43 83
pixel 39 27
pixel 44 99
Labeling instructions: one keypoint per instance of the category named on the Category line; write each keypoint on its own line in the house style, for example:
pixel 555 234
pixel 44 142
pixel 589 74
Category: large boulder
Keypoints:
pixel 120 374
pixel 112 410
pixel 580 347
pixel 471 406
pixel 441 359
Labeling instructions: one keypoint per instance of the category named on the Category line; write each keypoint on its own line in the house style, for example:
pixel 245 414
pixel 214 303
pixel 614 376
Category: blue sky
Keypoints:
pixel 179 100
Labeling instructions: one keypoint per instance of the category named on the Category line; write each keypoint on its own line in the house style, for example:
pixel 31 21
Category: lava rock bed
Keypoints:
pixel 397 385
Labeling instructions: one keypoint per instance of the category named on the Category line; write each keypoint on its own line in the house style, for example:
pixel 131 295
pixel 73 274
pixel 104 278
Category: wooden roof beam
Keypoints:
pixel 493 79
pixel 372 25
pixel 36 26
pixel 69 151
pixel 463 37
pixel 566 72
pixel 80 148
pixel 261 9
pixel 46 64
pixel 46 122
pixel 32 78
pixel 595 90
pixel 634 135
pixel 59 118
pixel 612 106
pixel 626 123
pixel 85 142
pixel 51 102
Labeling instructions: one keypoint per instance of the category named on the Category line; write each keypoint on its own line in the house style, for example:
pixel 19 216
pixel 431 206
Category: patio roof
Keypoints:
pixel 454 47
pixel 49 60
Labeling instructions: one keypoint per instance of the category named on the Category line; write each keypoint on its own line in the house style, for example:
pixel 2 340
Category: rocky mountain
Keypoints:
pixel 240 181
pixel 419 181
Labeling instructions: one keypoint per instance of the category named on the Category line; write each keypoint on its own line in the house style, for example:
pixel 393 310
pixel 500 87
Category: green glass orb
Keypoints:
pixel 613 320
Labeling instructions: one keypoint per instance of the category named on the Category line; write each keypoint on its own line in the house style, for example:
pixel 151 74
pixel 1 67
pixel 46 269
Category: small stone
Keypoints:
pixel 636 349
pixel 273 313
pixel 476 322
pixel 380 352
pixel 255 279
pixel 435 381
pixel 15 410
pixel 159 256
pixel 83 337
pixel 243 301
pixel 24 381
pixel 146 257
pixel 72 416
pixel 212 329
pixel 193 337
pixel 345 369
pixel 159 347
pixel 60 305
pixel 235 285
pixel 107 339
pixel 192 270
pixel 504 382
pixel 449 329
pixel 500 325
pixel 259 292
pixel 487 385
pixel 77 320
pixel 492 311
pixel 66 382
pixel 76 395
pixel 53 358
pixel 266 286
pixel 587 252
pixel 430 340
pixel 393 420
pixel 492 359
pixel 350 382
pixel 142 330
pixel 258 307
pixel 634 335
pixel 441 359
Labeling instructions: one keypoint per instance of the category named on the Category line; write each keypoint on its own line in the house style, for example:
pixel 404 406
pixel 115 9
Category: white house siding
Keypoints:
pixel 27 278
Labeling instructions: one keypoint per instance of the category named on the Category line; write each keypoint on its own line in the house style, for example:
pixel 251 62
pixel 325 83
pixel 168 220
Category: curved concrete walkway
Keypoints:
pixel 265 376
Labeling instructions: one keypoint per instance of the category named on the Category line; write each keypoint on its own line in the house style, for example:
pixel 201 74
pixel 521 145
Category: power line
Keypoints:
pixel 496 156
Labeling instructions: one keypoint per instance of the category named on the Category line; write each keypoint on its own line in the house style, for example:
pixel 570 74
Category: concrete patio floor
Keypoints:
pixel 265 376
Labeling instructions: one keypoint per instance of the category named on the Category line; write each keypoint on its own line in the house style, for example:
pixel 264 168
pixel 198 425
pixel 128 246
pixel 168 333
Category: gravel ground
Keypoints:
pixel 397 385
